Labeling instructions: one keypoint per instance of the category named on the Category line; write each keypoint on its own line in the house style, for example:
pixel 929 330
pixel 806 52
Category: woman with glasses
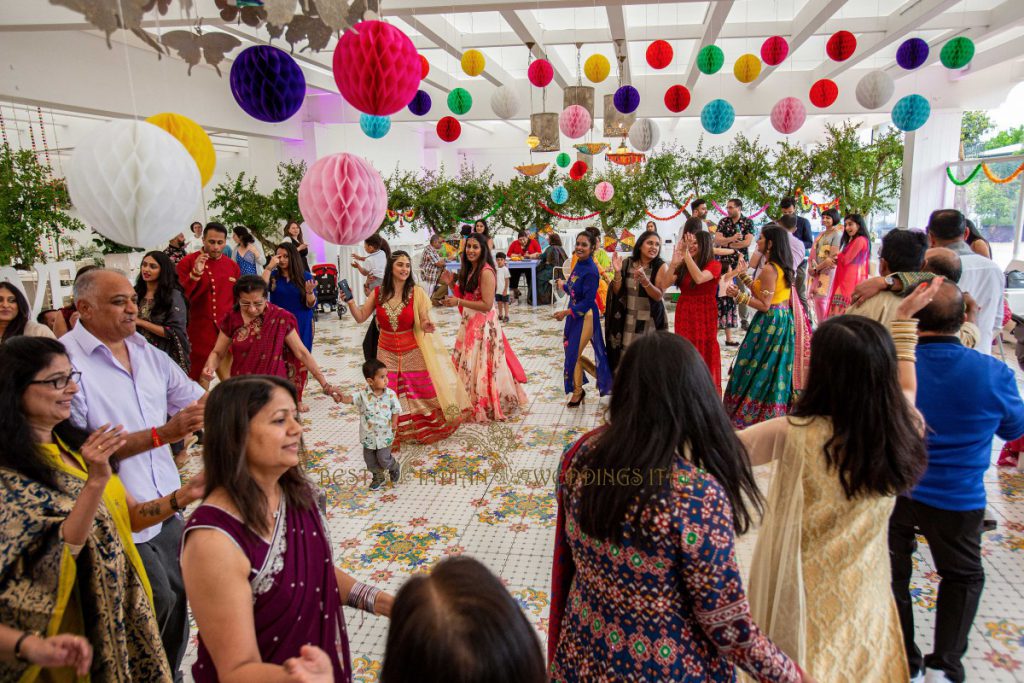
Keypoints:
pixel 263 339
pixel 67 557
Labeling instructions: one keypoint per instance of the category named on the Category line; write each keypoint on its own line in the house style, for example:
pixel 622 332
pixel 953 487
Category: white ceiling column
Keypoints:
pixel 715 20
pixel 617 27
pixel 436 29
pixel 529 31
pixel 810 20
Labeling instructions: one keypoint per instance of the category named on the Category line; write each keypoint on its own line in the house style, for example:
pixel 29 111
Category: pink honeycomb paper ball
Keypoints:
pixel 788 115
pixel 604 191
pixel 574 121
pixel 343 198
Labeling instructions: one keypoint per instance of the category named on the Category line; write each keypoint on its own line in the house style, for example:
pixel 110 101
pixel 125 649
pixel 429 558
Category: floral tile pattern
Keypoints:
pixel 488 492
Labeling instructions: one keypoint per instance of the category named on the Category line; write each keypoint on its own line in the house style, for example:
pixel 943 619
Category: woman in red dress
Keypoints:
pixel 697 274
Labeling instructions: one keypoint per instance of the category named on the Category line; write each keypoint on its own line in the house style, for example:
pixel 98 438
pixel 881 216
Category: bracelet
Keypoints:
pixel 742 298
pixel 174 501
pixel 362 596
pixel 17 646
pixel 904 337
pixel 746 279
pixel 157 441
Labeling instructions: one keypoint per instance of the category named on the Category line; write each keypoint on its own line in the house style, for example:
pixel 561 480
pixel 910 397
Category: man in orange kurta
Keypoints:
pixel 208 278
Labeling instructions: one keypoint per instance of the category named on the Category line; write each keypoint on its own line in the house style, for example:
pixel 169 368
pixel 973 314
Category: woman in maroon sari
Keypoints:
pixel 263 340
pixel 256 555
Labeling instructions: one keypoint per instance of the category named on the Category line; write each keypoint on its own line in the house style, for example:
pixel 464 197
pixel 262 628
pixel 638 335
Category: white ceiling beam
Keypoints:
pixel 617 29
pixel 715 20
pixel 807 23
pixel 529 31
pixel 999 55
pixel 897 26
pixel 436 29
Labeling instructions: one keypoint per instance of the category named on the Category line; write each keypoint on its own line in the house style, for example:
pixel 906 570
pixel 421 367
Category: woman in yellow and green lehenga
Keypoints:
pixel 67 560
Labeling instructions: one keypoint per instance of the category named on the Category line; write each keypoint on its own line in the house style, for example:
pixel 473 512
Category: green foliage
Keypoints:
pixel 1005 138
pixel 33 206
pixel 403 192
pixel 240 203
pixel 865 177
pixel 284 200
pixel 520 210
pixel 973 127
pixel 749 164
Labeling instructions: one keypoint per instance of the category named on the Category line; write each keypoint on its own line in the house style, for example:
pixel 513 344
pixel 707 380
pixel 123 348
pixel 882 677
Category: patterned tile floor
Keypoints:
pixel 487 492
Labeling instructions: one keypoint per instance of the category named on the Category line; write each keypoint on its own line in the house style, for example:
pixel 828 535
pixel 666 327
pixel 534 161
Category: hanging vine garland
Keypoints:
pixel 485 216
pixel 960 183
pixel 668 218
pixel 562 215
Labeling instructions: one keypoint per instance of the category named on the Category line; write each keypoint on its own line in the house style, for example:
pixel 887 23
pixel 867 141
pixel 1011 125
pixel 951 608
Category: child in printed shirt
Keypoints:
pixel 379 409
pixel 502 276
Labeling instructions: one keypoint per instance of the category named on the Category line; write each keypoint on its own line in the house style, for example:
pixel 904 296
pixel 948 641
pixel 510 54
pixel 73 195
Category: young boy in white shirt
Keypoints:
pixel 501 277
pixel 379 409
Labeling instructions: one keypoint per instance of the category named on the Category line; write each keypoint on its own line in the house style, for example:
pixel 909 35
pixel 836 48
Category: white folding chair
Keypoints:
pixel 557 295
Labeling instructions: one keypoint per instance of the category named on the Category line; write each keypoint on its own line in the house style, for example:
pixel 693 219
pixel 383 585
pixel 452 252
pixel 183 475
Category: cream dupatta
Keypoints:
pixel 451 394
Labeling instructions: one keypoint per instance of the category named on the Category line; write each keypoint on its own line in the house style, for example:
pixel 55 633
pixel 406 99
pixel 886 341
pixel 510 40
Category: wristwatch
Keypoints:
pixel 890 282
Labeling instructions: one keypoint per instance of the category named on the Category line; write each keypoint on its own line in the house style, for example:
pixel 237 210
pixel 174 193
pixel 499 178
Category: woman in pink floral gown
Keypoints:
pixel 483 358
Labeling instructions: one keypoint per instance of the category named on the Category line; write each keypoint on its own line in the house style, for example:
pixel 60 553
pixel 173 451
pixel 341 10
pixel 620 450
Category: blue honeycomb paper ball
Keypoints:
pixel 267 83
pixel 560 195
pixel 911 112
pixel 717 116
pixel 375 127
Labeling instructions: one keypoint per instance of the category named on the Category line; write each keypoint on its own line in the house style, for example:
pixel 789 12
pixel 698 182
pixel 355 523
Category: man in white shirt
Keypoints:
pixel 127 381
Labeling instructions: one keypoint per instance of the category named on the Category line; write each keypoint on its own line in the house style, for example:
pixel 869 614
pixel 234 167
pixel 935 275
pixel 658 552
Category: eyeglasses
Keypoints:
pixel 255 305
pixel 60 382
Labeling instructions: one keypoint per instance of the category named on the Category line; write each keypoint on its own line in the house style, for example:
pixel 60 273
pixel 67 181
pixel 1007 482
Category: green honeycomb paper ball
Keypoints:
pixel 710 59
pixel 957 53
pixel 563 160
pixel 460 101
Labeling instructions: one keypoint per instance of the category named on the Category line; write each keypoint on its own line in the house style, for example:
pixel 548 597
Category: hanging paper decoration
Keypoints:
pixel 988 174
pixel 912 53
pixel 563 160
pixel 540 73
pixel 625 158
pixel 420 105
pixel 659 54
pixel 874 89
pixel 590 148
pixel 267 83
pixel 596 68
pixel 816 207
pixel 774 50
pixel 747 68
pixel 578 170
pixel 133 183
pixel 970 176
pixel 531 170
pixel 505 102
pixel 424 67
pixel 568 218
pixel 677 98
pixel 604 191
pixel 560 195
pixel 189 133
pixel 400 217
pixel 343 198
pixel 532 141
pixel 643 135
pixel 627 99
pixel 841 46
pixel 473 62
pixel 493 210
pixel 824 93
pixel 788 115
pixel 375 127
pixel 710 59
pixel 459 101
pixel 376 68
pixel 449 129
pixel 674 215
pixel 911 112
pixel 717 116
pixel 574 121
pixel 957 53
pixel 625 238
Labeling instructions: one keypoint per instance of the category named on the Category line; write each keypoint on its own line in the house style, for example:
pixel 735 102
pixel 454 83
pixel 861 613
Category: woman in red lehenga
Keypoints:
pixel 263 340
pixel 697 273
pixel 419 368
pixel 487 366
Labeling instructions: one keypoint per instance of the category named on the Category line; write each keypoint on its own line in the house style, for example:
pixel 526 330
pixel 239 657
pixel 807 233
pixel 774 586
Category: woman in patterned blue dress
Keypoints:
pixel 646 586
pixel 247 254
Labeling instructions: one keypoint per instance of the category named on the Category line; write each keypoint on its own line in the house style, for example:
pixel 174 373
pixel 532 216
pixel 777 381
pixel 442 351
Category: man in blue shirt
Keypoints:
pixel 966 398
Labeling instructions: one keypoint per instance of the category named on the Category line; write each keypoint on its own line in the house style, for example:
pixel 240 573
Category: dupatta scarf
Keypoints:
pixel 259 348
pixel 103 594
pixel 451 393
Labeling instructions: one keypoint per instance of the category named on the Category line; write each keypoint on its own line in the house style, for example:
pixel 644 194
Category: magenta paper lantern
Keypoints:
pixel 376 68
pixel 788 115
pixel 343 198
pixel 540 73
pixel 604 191
pixel 574 121
pixel 774 50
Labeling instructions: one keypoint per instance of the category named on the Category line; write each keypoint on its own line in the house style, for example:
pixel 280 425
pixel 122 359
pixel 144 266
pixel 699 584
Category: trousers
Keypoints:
pixel 160 558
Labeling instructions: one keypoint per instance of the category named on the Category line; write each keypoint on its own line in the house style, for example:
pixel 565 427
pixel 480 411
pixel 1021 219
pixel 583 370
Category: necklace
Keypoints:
pixel 393 311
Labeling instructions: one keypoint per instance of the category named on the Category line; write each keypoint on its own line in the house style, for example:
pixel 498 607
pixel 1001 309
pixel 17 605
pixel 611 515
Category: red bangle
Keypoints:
pixel 157 443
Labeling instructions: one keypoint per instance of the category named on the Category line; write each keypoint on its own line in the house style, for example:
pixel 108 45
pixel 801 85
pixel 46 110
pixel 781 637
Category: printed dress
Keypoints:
pixel 666 604
pixel 852 266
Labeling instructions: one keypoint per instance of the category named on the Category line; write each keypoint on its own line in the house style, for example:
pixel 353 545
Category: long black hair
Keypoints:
pixel 459 624
pixel 244 236
pixel 22 358
pixel 678 389
pixel 166 283
pixel 380 244
pixel 705 254
pixel 876 445
pixel 779 252
pixel 229 410
pixel 638 246
pixel 387 287
pixel 294 273
pixel 16 327
pixel 862 231
pixel 469 276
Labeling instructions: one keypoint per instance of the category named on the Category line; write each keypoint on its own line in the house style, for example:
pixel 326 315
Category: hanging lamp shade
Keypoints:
pixel 841 45
pixel 788 115
pixel 596 68
pixel 267 83
pixel 874 89
pixel 460 101
pixel 957 53
pixel 540 73
pixel 659 54
pixel 710 59
pixel 190 134
pixel 912 53
pixel 420 105
pixel 582 95
pixel 774 50
pixel 616 124
pixel 343 198
pixel 747 68
pixel 911 112
pixel 449 129
pixel 627 99
pixel 505 102
pixel 717 116
pixel 677 98
pixel 473 62
pixel 824 93
pixel 545 126
pixel 376 68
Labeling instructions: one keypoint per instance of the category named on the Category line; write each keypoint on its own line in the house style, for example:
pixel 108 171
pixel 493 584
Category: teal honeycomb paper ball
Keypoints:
pixel 717 116
pixel 375 127
pixel 911 112
pixel 460 101
pixel 560 195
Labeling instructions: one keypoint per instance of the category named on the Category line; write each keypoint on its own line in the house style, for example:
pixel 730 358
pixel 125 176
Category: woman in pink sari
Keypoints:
pixel 263 340
pixel 485 362
pixel 851 263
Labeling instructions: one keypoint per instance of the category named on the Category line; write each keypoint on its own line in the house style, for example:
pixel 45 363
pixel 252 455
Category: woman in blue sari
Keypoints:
pixel 582 325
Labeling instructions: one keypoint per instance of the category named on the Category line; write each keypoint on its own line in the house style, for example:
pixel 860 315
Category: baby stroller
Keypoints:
pixel 326 277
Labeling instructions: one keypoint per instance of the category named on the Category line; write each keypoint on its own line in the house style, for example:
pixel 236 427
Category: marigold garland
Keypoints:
pixel 568 218
pixel 988 174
